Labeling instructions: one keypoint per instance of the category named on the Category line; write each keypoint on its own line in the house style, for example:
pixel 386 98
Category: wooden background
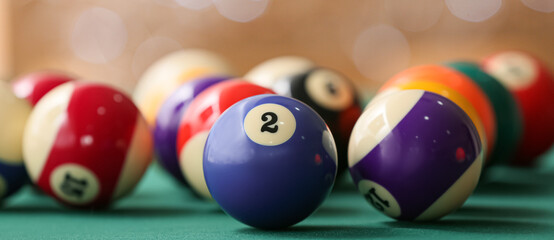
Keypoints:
pixel 121 38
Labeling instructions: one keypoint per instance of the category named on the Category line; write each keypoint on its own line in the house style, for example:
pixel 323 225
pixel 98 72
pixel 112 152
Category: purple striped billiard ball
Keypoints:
pixel 415 155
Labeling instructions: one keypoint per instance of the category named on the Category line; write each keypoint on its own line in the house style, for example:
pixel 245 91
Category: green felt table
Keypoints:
pixel 510 203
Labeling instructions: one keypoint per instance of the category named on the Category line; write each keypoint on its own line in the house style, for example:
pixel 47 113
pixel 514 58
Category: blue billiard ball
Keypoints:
pixel 270 161
pixel 12 178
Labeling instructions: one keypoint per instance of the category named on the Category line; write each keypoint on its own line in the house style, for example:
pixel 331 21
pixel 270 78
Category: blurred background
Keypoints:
pixel 114 41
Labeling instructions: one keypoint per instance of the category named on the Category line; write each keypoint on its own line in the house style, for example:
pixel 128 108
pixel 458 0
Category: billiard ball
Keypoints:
pixel 332 96
pixel 169 72
pixel 34 85
pixel 86 144
pixel 268 72
pixel 14 112
pixel 270 161
pixel 169 117
pixel 444 91
pixel 197 121
pixel 506 110
pixel 460 83
pixel 415 155
pixel 532 85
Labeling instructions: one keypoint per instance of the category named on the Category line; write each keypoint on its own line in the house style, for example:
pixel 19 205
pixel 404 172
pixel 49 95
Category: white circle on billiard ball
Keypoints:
pixel 329 90
pixel 329 145
pixel 3 187
pixel 74 183
pixel 269 124
pixel 379 198
pixel 513 69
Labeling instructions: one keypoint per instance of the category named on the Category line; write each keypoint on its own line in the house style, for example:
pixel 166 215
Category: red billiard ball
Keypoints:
pixel 197 122
pixel 532 85
pixel 34 86
pixel 86 144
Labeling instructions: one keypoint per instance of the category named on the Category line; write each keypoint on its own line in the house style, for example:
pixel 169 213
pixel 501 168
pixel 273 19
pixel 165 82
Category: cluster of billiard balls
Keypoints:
pixel 418 149
pixel 267 147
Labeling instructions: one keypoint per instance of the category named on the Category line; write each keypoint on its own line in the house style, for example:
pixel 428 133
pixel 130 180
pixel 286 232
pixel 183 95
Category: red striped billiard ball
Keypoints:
pixel 86 144
pixel 532 85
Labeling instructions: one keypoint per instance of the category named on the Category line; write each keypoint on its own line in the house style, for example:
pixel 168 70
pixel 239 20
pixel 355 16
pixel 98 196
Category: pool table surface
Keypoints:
pixel 515 203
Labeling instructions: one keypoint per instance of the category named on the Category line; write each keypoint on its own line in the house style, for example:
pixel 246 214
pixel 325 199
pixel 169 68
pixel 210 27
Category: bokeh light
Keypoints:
pixel 241 10
pixel 99 36
pixel 194 4
pixel 167 3
pixel 380 51
pixel 474 10
pixel 114 41
pixel 414 17
pixel 546 6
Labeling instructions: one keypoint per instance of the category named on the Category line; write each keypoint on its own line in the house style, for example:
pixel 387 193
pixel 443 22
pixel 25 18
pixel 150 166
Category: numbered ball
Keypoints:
pixel 169 72
pixel 444 91
pixel 268 72
pixel 168 119
pixel 86 144
pixel 34 86
pixel 532 85
pixel 270 161
pixel 506 110
pixel 14 114
pixel 460 83
pixel 415 155
pixel 332 96
pixel 197 122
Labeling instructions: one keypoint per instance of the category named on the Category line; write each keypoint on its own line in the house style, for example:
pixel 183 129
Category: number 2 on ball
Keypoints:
pixel 270 119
